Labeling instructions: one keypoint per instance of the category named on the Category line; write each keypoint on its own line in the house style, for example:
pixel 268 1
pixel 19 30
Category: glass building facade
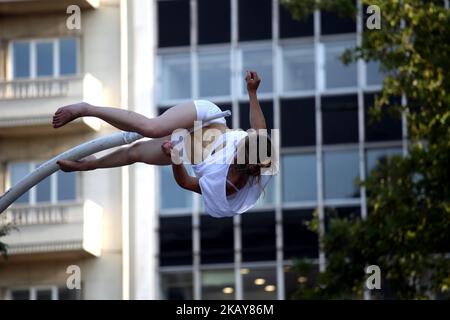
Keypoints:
pixel 327 141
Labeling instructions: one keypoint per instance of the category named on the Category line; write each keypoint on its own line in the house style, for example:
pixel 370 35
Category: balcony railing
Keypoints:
pixel 35 88
pixel 43 228
pixel 25 103
pixel 22 215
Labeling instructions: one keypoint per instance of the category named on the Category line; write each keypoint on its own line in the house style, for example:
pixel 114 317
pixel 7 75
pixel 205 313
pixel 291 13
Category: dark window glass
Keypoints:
pixel 341 172
pixel 259 283
pixel 68 56
pixel 258 236
pixel 66 185
pixel 216 240
pixel 43 190
pixel 388 127
pixel 350 213
pixel 21 59
pixel 44 294
pixel 255 19
pixel 295 280
pixel 340 119
pixel 298 122
pixel 332 23
pixel 289 27
pixel 244 114
pixel 69 294
pixel 177 286
pixel 173 23
pixel 44 59
pixel 214 21
pixel 299 177
pixel 175 240
pixel 20 295
pixel 299 242
pixel 218 284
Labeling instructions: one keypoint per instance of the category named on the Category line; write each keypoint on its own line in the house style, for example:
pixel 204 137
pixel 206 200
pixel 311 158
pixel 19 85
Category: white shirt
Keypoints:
pixel 212 173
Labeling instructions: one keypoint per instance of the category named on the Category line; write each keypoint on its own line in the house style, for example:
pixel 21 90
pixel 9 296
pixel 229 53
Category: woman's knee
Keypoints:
pixel 152 129
pixel 135 152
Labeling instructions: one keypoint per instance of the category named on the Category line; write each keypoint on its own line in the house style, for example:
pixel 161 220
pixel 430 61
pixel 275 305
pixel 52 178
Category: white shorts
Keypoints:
pixel 207 109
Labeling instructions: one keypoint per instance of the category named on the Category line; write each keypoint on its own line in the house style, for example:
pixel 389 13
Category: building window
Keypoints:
pixel 244 114
pixel 259 283
pixel 259 60
pixel 340 119
pixel 299 178
pixel 251 11
pixel 296 280
pixel 374 157
pixel 374 76
pixel 214 21
pixel 217 240
pixel 291 28
pixel 44 58
pixel 175 240
pixel 68 56
pixel 44 61
pixel 258 236
pixel 333 23
pixel 298 68
pixel 60 186
pixel 177 286
pixel 298 122
pixel 44 293
pixel 298 240
pixel 338 75
pixel 214 74
pixel 172 196
pixel 174 23
pixel 389 127
pixel 341 171
pixel 21 59
pixel 218 284
pixel 175 77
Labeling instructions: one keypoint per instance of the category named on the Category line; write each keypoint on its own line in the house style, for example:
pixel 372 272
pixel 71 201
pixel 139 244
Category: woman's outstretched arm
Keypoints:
pixel 257 120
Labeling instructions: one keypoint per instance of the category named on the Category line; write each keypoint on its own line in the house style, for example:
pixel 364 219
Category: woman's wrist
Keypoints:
pixel 252 93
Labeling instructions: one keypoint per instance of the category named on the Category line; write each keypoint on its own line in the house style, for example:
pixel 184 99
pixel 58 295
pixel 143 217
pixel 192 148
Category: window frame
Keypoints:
pixel 33 58
pixel 32 165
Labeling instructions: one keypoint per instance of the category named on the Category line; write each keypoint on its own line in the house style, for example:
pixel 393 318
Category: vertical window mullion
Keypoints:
pixel 33 60
pixel 54 188
pixel 33 190
pixel 56 62
pixel 361 84
pixel 319 69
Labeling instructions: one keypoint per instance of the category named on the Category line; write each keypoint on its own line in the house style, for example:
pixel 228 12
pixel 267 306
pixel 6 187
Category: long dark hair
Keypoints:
pixel 254 156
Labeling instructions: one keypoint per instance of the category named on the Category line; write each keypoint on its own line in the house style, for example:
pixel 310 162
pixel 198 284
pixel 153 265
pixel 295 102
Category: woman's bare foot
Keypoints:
pixel 68 113
pixel 79 165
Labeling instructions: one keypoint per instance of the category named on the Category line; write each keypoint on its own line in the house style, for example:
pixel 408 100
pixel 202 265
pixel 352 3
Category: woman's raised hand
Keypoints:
pixel 253 81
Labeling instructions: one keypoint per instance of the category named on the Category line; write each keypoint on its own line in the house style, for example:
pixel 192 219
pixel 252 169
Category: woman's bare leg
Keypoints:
pixel 179 116
pixel 149 152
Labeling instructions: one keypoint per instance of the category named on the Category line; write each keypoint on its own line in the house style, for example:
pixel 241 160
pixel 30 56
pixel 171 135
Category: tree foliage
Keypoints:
pixel 407 230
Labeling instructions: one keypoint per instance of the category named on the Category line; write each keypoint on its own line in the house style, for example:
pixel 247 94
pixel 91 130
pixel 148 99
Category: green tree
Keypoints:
pixel 407 229
pixel 4 230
